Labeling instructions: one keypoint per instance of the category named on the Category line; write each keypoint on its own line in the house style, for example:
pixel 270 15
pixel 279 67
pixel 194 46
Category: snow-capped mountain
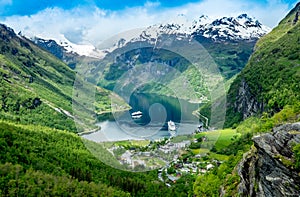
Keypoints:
pixel 180 27
pixel 226 28
pixel 241 27
pixel 233 28
pixel 61 47
pixel 223 29
pixel 81 50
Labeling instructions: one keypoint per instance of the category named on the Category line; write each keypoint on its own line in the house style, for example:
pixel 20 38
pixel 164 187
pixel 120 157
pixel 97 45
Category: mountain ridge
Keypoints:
pixel 219 29
pixel 232 28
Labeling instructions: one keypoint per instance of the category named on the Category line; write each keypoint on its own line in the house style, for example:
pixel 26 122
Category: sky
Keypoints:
pixel 94 21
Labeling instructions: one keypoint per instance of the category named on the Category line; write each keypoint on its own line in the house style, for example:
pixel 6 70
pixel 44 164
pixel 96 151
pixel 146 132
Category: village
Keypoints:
pixel 172 157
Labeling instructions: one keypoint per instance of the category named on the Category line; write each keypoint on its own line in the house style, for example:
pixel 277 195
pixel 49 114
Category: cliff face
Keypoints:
pixel 246 103
pixel 264 172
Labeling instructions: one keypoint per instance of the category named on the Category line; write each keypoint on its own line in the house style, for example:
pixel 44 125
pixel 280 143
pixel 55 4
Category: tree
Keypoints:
pixel 207 185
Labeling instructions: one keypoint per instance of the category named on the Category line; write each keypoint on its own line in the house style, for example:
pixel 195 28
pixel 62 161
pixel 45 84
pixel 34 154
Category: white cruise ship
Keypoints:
pixel 171 128
pixel 137 115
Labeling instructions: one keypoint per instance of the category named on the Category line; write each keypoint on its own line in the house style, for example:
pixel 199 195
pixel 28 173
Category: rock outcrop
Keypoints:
pixel 264 170
pixel 246 103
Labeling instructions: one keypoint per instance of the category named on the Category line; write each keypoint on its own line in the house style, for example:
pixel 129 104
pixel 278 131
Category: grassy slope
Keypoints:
pixel 28 73
pixel 17 181
pixel 218 139
pixel 40 155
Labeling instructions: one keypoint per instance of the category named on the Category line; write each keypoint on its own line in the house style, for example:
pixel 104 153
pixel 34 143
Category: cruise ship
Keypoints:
pixel 172 128
pixel 137 115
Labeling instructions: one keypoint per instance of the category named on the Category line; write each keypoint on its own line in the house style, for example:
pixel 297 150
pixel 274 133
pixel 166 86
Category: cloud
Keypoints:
pixel 269 13
pixel 90 24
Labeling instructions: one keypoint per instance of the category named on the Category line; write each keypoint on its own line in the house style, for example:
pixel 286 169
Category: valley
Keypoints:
pixel 202 107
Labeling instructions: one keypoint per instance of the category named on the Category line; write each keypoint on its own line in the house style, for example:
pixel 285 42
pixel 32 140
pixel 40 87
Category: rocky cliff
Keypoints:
pixel 246 103
pixel 266 170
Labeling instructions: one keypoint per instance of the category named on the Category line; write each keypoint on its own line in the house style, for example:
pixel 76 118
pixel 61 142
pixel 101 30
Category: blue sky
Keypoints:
pixel 29 7
pixel 17 7
pixel 92 21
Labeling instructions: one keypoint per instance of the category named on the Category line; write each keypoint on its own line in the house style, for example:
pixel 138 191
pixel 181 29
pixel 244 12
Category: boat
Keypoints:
pixel 137 115
pixel 171 128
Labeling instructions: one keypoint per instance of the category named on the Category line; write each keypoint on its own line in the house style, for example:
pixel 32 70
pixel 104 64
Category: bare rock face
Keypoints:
pixel 245 102
pixel 263 172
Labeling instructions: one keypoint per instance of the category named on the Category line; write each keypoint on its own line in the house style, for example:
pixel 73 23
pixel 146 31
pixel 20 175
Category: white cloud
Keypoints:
pixel 93 25
pixel 269 14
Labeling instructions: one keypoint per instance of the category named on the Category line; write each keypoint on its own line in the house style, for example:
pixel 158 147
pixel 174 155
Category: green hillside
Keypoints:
pixel 271 78
pixel 37 88
pixel 35 163
pixel 33 83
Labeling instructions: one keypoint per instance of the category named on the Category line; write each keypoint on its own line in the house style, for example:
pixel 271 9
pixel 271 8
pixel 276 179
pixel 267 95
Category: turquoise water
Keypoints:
pixel 157 110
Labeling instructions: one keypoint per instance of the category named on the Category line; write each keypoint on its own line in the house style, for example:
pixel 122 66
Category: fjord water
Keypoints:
pixel 157 111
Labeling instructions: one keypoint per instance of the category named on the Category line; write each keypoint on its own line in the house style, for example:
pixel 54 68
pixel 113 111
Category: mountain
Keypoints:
pixel 66 51
pixel 229 41
pixel 57 50
pixel 33 83
pixel 233 37
pixel 37 88
pixel 241 27
pixel 270 79
pixel 63 45
pixel 264 109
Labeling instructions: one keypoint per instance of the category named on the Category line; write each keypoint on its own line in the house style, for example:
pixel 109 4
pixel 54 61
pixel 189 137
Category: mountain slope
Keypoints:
pixel 57 50
pixel 37 88
pixel 33 83
pixel 270 79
